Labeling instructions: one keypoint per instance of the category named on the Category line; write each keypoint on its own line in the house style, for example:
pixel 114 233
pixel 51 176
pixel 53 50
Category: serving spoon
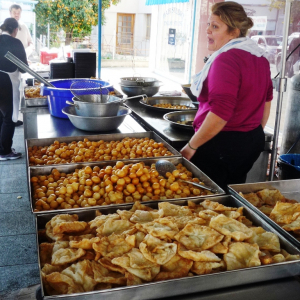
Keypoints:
pixel 163 166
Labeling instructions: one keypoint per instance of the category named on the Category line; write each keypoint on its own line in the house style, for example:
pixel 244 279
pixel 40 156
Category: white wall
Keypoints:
pixel 136 7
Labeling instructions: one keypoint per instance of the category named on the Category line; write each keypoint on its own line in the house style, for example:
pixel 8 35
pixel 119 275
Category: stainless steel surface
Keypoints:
pixel 187 285
pixel 153 120
pixel 164 166
pixel 167 100
pixel 199 185
pixel 105 137
pixel 181 116
pixel 138 90
pixel 25 68
pixel 96 124
pixel 94 99
pixel 286 25
pixel 83 88
pixel 36 102
pixel 38 123
pixel 95 109
pixel 187 90
pixel 290 189
pixel 68 168
pixel 138 81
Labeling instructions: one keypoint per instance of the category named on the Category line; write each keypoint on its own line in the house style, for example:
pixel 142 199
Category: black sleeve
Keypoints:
pixel 21 54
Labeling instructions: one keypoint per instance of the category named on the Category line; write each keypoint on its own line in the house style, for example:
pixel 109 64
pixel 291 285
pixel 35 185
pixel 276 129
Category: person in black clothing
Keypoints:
pixel 10 80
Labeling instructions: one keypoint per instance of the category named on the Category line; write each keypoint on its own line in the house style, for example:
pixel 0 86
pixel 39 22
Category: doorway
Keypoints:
pixel 125 33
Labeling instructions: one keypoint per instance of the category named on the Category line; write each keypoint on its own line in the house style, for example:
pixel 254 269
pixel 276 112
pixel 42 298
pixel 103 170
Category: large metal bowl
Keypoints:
pixel 181 116
pixel 96 109
pixel 96 123
pixel 138 81
pixel 149 102
pixel 139 90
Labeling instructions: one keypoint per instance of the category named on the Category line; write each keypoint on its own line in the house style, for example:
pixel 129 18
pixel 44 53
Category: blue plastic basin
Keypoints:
pixel 58 95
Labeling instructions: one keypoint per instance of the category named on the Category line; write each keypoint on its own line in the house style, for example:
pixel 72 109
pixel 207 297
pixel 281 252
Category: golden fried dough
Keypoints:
pixel 242 255
pixel 207 204
pixel 82 274
pixel 204 255
pixel 270 197
pixel 231 227
pixel 112 246
pixel 177 267
pixel 201 268
pixel 285 213
pixel 66 256
pixel 265 240
pixel 162 228
pixel 157 250
pixel 167 209
pixel 197 237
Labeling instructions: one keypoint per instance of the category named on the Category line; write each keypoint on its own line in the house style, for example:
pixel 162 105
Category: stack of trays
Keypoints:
pixel 62 70
pixel 85 64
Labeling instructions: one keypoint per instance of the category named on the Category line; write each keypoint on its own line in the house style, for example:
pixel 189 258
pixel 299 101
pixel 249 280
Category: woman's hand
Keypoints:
pixel 187 152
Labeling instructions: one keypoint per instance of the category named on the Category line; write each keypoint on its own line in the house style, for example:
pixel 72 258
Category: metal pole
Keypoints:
pixel 192 42
pixel 48 38
pixel 280 87
pixel 99 36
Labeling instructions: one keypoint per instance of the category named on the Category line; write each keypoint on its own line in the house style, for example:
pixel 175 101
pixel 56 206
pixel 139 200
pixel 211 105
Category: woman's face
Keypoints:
pixel 217 33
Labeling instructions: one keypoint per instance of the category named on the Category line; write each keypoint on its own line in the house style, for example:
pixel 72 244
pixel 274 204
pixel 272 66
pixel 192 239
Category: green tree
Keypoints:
pixel 75 17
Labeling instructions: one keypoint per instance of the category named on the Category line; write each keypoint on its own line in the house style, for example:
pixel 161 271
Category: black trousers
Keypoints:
pixel 229 156
pixel 7 126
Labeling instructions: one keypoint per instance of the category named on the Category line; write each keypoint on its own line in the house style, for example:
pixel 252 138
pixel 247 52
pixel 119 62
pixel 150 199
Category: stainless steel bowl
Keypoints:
pixel 187 90
pixel 96 99
pixel 181 116
pixel 96 109
pixel 138 81
pixel 149 102
pixel 96 123
pixel 139 90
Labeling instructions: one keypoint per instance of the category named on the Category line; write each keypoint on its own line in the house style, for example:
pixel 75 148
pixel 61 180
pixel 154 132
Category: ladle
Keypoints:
pixel 163 166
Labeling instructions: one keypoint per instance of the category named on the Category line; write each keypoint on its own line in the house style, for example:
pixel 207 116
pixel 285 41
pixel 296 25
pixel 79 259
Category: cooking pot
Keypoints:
pixel 138 81
pixel 96 109
pixel 138 90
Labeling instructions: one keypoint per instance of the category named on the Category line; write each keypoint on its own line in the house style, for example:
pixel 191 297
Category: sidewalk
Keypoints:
pixel 18 251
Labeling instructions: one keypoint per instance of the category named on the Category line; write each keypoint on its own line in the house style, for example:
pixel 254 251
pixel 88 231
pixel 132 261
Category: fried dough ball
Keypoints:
pixel 86 150
pixel 119 183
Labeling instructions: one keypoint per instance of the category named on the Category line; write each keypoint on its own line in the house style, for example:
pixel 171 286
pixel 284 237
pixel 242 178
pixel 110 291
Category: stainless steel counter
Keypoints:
pixel 38 123
pixel 153 120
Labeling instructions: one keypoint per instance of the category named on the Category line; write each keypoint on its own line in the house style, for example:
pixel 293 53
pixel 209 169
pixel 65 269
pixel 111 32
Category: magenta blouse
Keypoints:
pixel 236 89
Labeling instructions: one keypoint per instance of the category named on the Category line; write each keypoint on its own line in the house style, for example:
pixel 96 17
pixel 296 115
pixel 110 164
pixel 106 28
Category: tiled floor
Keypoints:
pixel 18 251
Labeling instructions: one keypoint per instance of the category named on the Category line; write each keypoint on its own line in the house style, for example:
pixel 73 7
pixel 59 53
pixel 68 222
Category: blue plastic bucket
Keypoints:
pixel 58 95
pixel 289 166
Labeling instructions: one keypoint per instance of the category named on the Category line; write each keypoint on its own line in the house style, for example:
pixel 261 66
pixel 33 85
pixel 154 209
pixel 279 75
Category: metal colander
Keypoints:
pixel 90 91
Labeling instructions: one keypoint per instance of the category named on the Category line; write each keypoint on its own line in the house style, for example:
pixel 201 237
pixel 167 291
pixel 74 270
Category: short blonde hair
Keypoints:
pixel 233 15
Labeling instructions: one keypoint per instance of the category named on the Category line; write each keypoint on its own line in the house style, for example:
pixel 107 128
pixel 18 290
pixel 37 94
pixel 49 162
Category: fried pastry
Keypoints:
pixel 156 250
pixel 231 227
pixel 242 255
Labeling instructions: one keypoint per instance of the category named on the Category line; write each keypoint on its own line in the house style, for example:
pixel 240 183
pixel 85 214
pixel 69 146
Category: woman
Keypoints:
pixel 10 80
pixel 234 91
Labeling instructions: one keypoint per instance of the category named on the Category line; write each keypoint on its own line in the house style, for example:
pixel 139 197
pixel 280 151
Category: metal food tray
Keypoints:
pixel 36 102
pixel 185 285
pixel 175 116
pixel 150 101
pixel 290 189
pixel 40 101
pixel 105 137
pixel 68 168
